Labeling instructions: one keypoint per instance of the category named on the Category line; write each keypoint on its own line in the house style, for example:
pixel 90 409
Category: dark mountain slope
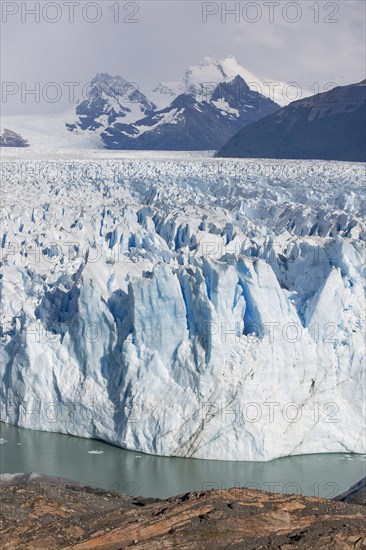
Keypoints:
pixel 11 139
pixel 329 126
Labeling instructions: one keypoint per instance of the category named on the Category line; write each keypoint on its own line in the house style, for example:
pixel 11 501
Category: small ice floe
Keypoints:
pixel 95 452
pixel 18 443
pixel 138 456
pixel 2 440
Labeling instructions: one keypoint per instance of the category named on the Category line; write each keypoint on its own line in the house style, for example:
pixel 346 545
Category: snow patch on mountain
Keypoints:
pixel 225 108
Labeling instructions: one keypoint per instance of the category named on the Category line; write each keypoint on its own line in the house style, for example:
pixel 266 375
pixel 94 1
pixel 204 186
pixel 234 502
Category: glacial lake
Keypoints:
pixel 102 465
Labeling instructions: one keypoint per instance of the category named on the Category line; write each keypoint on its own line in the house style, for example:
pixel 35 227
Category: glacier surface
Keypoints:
pixel 195 307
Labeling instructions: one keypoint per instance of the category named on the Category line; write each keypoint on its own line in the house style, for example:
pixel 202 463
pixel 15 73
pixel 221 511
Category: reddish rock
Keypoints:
pixel 48 513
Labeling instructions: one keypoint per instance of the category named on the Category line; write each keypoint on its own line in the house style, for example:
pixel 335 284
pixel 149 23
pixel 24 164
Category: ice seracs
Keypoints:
pixel 202 308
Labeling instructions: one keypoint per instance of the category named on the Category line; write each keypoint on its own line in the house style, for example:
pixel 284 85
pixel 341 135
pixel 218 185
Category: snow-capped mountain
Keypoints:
pixel 204 308
pixel 330 126
pixel 189 123
pixel 200 112
pixel 110 99
pixel 201 80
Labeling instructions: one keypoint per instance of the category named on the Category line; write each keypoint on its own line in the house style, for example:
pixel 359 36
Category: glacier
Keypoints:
pixel 186 306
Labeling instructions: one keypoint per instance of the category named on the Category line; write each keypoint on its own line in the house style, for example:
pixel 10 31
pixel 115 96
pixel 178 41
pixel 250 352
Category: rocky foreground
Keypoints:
pixel 39 512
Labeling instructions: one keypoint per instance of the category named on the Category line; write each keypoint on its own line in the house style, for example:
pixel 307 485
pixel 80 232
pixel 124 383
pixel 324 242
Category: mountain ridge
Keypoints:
pixel 327 126
pixel 201 112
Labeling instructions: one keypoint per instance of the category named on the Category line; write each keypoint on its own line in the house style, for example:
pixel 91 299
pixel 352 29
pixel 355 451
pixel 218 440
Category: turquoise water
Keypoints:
pixel 103 465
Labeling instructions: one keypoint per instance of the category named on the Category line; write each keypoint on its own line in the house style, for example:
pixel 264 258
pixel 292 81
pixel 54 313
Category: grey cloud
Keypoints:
pixel 170 35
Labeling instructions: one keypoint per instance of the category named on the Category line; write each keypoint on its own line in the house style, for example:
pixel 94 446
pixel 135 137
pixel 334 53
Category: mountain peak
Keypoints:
pixel 210 72
pixel 200 80
pixel 103 76
pixel 208 60
pixel 110 98
pixel 107 79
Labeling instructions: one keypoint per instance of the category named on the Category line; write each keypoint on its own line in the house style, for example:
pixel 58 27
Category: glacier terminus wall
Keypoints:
pixel 192 307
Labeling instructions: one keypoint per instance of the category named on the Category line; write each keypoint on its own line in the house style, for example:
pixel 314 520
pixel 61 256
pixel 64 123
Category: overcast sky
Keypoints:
pixel 307 42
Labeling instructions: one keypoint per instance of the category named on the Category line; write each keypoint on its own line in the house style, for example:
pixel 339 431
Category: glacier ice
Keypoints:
pixel 188 307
